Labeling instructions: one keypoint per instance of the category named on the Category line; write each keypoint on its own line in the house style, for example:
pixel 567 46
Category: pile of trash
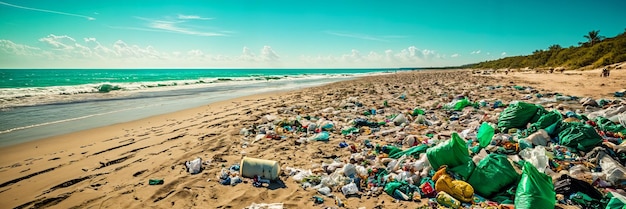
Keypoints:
pixel 516 155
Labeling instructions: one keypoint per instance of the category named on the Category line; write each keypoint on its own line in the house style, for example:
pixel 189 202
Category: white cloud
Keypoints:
pixel 10 48
pixel 454 55
pixel 389 55
pixel 267 54
pixel 61 51
pixel 192 17
pixel 47 11
pixel 503 54
pixel 195 53
pixel 59 42
pixel 427 53
pixel 353 56
pixel 475 52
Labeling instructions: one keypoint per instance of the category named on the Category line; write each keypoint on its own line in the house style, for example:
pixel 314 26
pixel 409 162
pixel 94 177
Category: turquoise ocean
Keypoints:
pixel 39 103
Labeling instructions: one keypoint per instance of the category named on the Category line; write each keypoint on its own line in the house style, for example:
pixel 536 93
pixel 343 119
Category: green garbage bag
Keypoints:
pixel 414 151
pixel 485 134
pixel 608 125
pixel 452 153
pixel 545 121
pixel 517 115
pixel 462 104
pixel 391 187
pixel 465 170
pixel 493 173
pixel 417 112
pixel 534 190
pixel 580 136
pixel 458 105
pixel 616 201
pixel 552 129
pixel 392 150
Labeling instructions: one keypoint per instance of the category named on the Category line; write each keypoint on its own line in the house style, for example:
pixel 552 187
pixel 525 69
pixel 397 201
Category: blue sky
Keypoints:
pixel 291 34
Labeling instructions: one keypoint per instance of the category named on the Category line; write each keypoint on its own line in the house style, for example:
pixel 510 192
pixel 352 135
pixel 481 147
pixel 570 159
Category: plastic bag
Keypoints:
pixel 399 120
pixel 492 173
pixel 541 137
pixel 414 151
pixel 349 170
pixel 485 134
pixel 298 177
pixel 608 125
pixel 323 136
pixel 537 157
pixel 194 166
pixel 465 171
pixel 349 189
pixel 458 105
pixel 265 206
pixel 324 191
pixel 545 121
pixel 580 136
pixel 517 115
pixel 534 190
pixel 617 201
pixel 615 173
pixel 452 153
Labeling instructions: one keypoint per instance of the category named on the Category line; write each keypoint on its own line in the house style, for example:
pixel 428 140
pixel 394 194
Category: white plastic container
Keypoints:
pixel 267 169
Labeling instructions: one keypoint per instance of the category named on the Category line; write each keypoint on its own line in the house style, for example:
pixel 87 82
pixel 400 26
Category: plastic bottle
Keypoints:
pixel 339 202
pixel 400 195
pixel 447 200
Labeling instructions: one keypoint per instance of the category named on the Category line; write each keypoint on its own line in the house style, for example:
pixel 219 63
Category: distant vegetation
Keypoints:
pixel 597 51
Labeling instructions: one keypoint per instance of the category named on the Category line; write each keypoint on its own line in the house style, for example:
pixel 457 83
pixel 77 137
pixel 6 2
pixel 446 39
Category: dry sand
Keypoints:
pixel 109 167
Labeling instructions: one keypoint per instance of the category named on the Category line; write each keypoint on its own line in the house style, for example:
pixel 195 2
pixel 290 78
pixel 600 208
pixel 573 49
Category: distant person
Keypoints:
pixel 608 72
pixel 604 73
pixel 506 72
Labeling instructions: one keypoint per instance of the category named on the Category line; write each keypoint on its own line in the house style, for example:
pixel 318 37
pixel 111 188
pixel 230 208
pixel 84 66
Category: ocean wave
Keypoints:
pixel 17 97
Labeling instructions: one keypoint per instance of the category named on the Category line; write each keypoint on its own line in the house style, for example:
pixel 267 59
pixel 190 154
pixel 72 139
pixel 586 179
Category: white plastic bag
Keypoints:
pixel 349 189
pixel 194 166
pixel 301 174
pixel 537 157
pixel 615 173
pixel 266 206
pixel 324 191
pixel 540 137
pixel 349 170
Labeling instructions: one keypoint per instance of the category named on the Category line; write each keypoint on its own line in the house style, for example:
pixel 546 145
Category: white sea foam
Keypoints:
pixel 15 97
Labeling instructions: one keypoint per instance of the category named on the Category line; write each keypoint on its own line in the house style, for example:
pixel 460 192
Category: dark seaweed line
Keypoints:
pixel 112 148
pixel 72 182
pixel 25 177
pixel 116 161
pixel 160 198
pixel 39 203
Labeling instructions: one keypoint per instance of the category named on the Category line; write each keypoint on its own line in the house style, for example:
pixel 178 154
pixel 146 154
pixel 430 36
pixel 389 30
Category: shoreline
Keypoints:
pixel 97 113
pixel 110 166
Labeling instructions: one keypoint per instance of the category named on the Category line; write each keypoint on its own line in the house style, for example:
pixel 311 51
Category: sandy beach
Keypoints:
pixel 110 167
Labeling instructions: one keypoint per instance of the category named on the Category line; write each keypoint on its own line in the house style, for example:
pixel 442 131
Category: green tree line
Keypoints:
pixel 597 51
